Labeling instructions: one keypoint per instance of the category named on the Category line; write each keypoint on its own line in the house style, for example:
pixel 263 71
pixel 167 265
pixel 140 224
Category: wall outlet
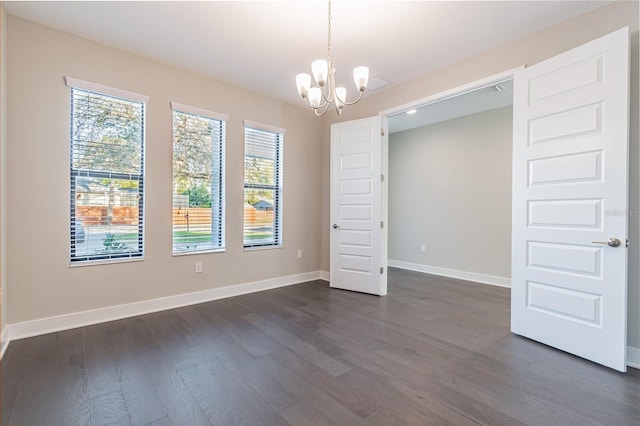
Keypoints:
pixel 198 267
pixel 299 254
pixel 423 248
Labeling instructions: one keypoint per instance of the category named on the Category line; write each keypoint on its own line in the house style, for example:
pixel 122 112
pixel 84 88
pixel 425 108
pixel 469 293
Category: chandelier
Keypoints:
pixel 324 75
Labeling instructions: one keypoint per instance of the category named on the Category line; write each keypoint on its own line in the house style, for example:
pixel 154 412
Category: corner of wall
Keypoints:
pixel 3 180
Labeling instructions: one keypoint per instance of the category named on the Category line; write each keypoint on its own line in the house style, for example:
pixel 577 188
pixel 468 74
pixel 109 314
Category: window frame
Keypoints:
pixel 222 119
pixel 75 173
pixel 277 187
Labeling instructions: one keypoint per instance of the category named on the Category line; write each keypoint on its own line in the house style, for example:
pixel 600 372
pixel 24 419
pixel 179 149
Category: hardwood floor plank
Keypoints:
pixel 161 422
pixel 313 354
pixel 109 409
pixel 180 405
pixel 100 364
pixel 335 412
pixel 224 398
pixel 300 414
pixel 14 369
pixel 142 338
pixel 68 383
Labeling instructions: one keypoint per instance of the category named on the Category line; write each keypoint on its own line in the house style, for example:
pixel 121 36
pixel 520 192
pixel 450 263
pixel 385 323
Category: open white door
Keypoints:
pixel 357 242
pixel 570 186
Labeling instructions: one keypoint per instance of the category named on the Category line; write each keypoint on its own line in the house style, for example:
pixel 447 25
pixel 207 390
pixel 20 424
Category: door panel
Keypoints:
pixel 570 177
pixel 356 207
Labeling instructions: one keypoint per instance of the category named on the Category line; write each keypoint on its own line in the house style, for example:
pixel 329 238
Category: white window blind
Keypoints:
pixel 107 177
pixel 262 186
pixel 198 180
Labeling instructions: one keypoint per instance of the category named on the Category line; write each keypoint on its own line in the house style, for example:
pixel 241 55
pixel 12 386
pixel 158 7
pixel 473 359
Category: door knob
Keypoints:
pixel 335 226
pixel 613 242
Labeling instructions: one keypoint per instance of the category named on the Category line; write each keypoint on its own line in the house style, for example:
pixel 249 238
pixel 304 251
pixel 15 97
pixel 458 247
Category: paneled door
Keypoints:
pixel 358 244
pixel 570 186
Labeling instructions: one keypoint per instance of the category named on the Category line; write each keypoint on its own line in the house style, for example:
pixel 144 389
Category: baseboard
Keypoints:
pixel 452 273
pixel 324 276
pixel 38 327
pixel 633 357
pixel 4 340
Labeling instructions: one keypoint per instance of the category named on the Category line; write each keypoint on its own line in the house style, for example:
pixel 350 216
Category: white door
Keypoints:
pixel 570 179
pixel 358 243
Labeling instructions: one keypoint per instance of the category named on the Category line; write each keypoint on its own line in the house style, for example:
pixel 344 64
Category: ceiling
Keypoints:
pixel 262 45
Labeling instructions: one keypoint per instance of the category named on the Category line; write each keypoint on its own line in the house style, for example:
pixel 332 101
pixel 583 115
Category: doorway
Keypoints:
pixel 450 185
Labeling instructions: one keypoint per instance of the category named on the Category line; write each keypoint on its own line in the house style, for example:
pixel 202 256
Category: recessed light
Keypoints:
pixel 412 111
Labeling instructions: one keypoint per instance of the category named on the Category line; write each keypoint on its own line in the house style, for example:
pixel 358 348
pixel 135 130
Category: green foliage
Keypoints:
pixel 259 171
pixel 107 133
pixel 199 196
pixel 193 150
pixel 111 245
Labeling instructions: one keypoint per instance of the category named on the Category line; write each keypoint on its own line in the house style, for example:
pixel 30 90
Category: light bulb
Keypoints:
pixel 361 77
pixel 315 96
pixel 303 82
pixel 320 70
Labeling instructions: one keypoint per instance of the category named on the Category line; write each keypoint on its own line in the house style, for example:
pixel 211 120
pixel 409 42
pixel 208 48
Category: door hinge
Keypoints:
pixel 381 224
pixel 381 132
pixel 381 178
pixel 382 270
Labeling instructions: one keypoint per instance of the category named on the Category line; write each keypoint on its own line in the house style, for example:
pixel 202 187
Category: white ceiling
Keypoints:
pixel 262 45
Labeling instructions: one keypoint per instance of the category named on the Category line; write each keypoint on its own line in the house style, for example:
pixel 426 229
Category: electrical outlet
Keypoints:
pixel 198 267
pixel 299 254
pixel 423 248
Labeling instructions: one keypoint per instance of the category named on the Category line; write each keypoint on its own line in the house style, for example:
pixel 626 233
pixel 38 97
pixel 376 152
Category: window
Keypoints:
pixel 262 185
pixel 198 179
pixel 107 173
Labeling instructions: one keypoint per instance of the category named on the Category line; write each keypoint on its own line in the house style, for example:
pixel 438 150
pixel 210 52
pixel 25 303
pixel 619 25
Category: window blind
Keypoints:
pixel 107 177
pixel 262 187
pixel 198 182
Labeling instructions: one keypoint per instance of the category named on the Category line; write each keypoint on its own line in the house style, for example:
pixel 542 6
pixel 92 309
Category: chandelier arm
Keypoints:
pixel 357 100
pixel 306 102
pixel 326 107
pixel 327 99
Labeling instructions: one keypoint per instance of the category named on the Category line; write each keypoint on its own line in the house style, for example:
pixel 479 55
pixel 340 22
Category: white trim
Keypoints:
pixel 456 91
pixel 265 127
pixel 37 327
pixel 452 273
pixel 105 90
pixel 324 276
pixel 4 340
pixel 175 106
pixel 633 357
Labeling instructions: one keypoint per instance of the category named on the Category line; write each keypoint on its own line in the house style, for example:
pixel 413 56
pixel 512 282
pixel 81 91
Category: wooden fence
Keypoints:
pixel 98 215
pixel 196 217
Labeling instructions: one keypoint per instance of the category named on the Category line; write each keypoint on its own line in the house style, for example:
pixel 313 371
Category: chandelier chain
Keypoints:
pixel 329 34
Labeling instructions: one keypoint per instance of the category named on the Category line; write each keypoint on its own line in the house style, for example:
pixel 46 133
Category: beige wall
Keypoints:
pixel 40 281
pixel 450 189
pixel 526 51
pixel 3 168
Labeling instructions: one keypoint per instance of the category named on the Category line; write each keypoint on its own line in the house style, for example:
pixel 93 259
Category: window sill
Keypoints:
pixel 82 263
pixel 190 253
pixel 258 248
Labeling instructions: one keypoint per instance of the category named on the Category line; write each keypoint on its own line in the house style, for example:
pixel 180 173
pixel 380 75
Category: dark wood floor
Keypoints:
pixel 434 351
